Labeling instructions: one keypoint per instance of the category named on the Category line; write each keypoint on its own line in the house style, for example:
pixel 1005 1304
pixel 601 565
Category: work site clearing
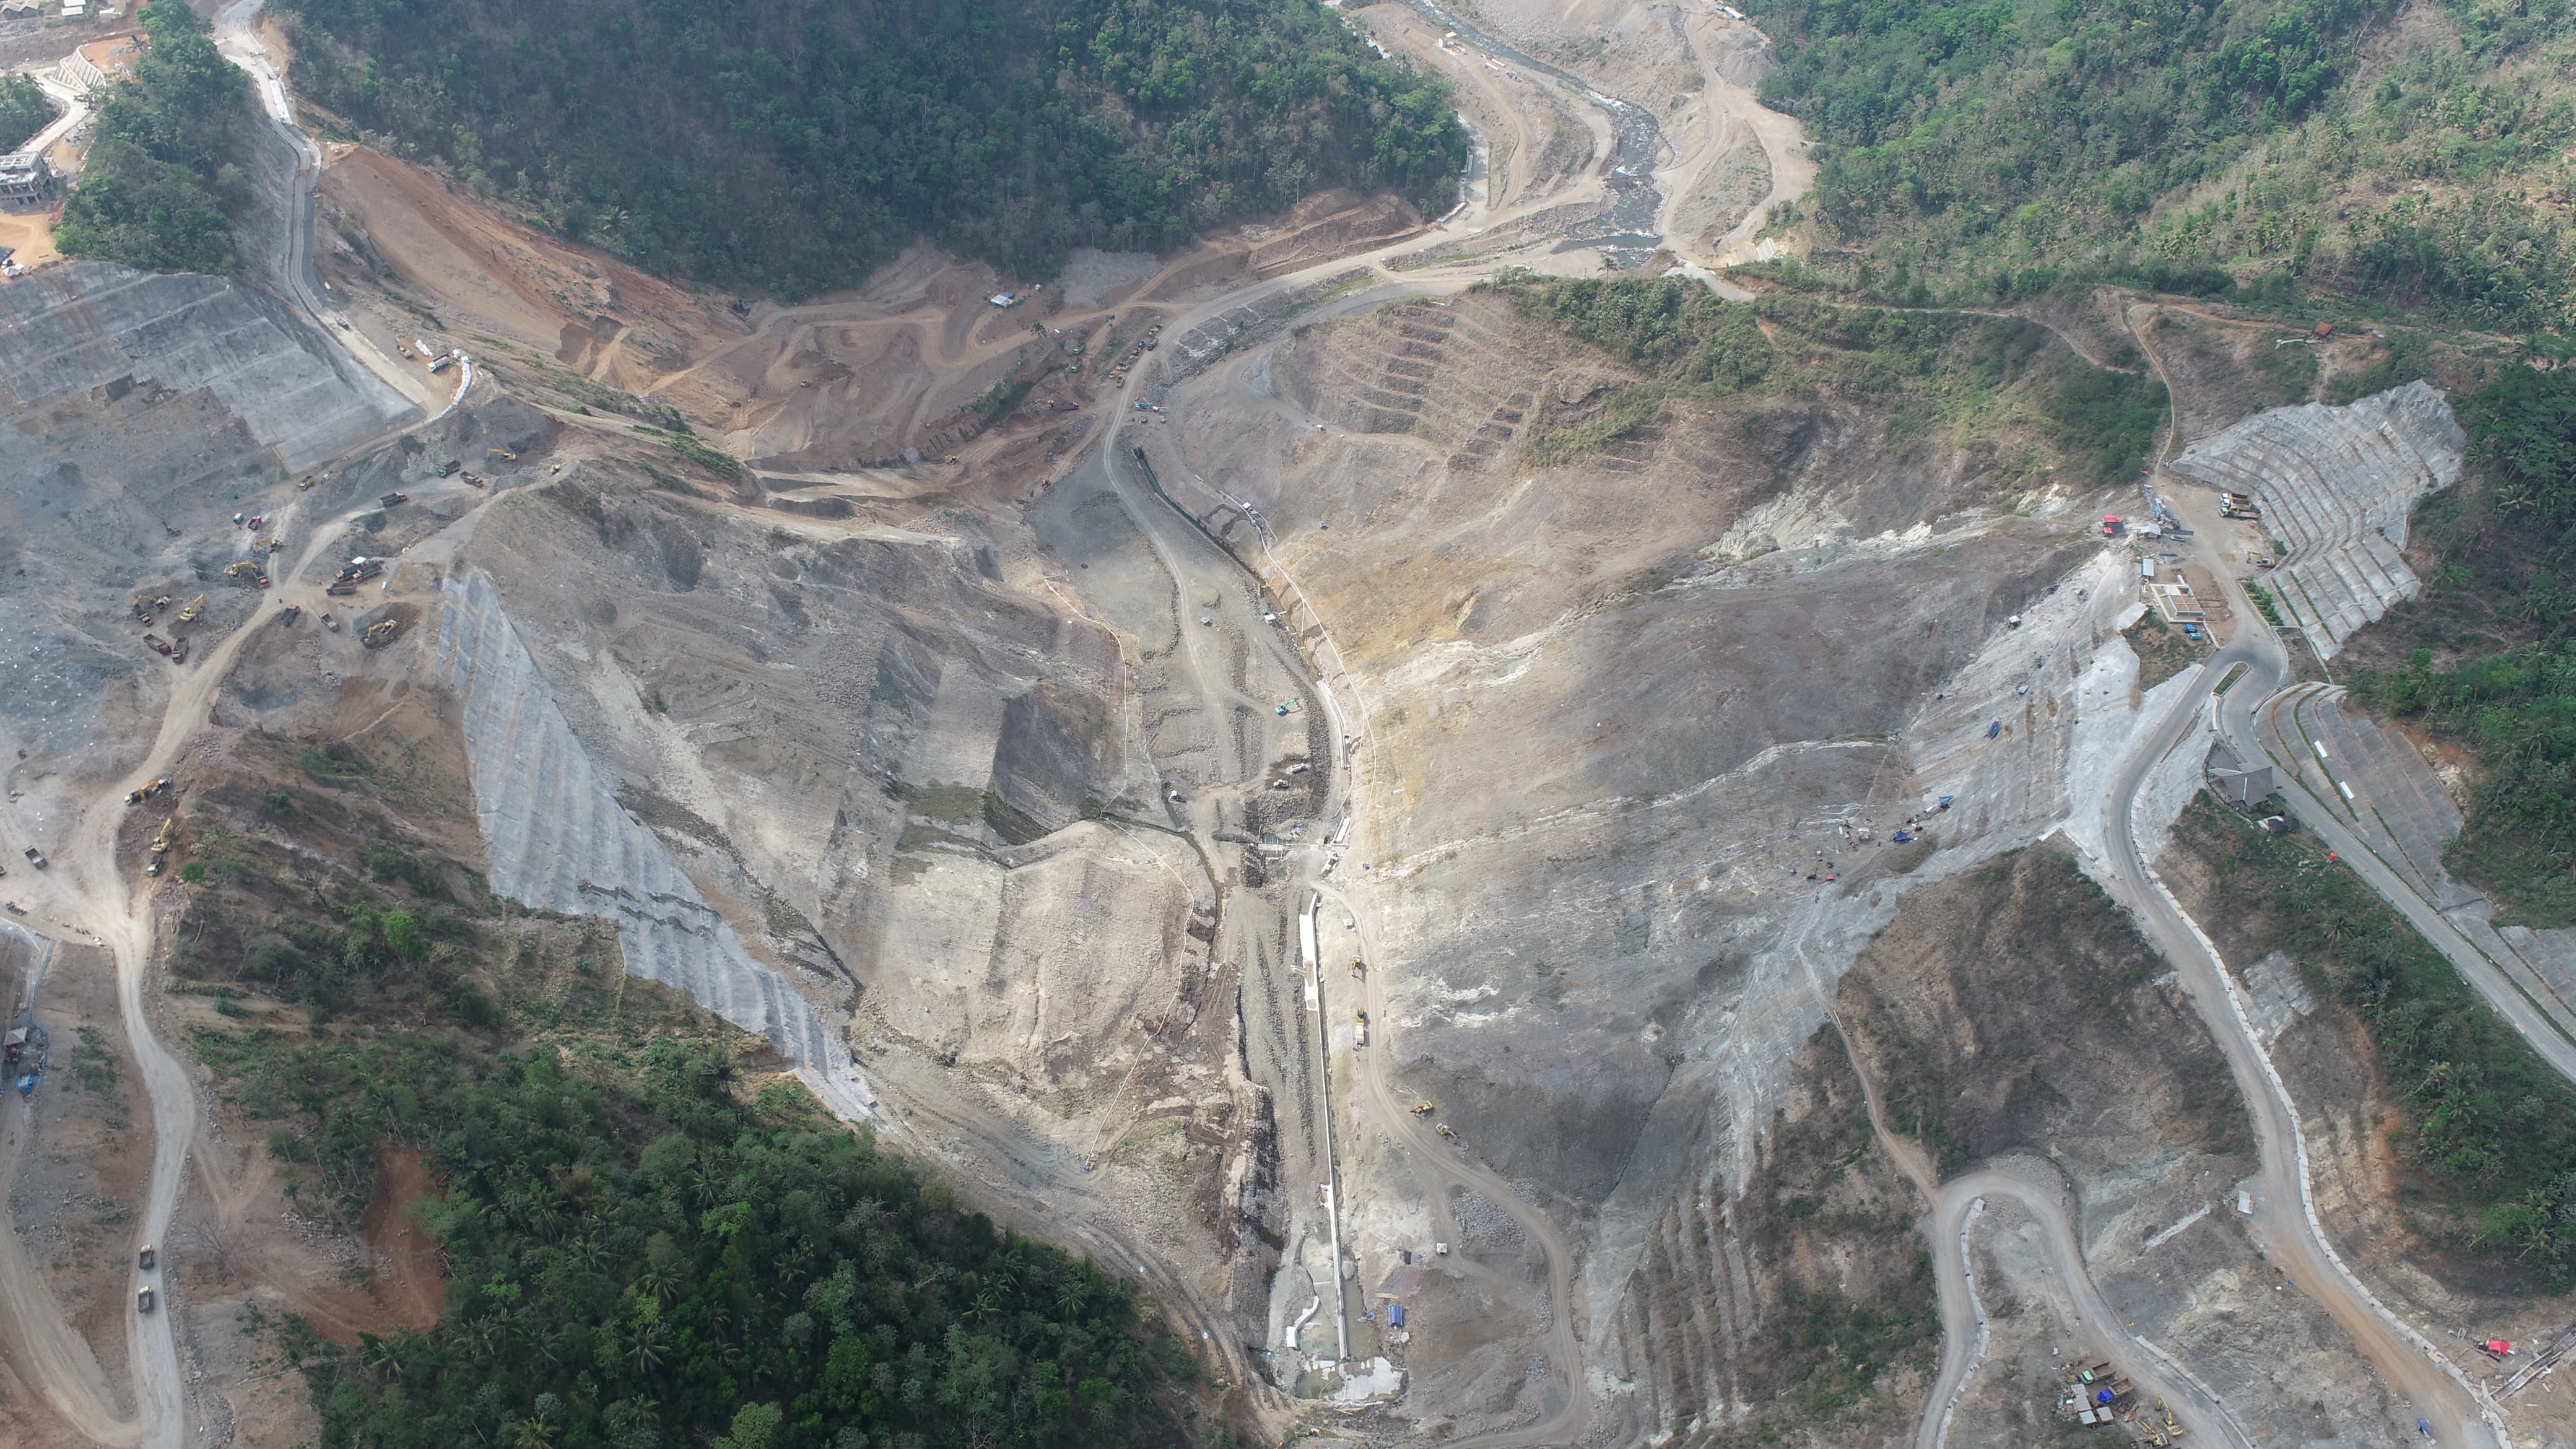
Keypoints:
pixel 1781 1003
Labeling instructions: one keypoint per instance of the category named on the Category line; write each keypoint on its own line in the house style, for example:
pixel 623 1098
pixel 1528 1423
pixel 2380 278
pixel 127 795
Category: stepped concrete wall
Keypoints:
pixel 2337 486
pixel 559 840
pixel 90 324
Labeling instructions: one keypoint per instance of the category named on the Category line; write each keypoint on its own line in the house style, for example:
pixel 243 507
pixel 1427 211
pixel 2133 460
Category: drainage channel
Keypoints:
pixel 1624 231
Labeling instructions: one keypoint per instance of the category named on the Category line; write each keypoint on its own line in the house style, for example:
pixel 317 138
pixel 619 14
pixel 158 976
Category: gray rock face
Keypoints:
pixel 559 840
pixel 69 329
pixel 2336 485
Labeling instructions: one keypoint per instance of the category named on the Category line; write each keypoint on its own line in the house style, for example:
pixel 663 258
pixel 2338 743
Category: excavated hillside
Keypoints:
pixel 1627 717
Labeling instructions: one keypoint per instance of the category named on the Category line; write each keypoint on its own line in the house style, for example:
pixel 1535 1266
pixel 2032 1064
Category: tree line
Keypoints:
pixel 160 173
pixel 796 146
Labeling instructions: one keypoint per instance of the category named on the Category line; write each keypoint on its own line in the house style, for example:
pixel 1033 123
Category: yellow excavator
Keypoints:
pixel 195 607
pixel 381 633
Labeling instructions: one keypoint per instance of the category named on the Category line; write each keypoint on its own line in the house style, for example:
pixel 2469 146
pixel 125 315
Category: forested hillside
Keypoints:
pixel 796 145
pixel 24 110
pixel 649 1245
pixel 2412 164
pixel 161 173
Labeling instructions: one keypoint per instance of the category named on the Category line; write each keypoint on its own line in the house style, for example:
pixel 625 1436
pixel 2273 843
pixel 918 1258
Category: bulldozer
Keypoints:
pixel 1425 1109
pixel 195 607
pixel 381 633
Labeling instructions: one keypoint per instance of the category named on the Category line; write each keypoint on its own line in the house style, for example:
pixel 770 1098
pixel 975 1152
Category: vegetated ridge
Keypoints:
pixel 650 1245
pixel 2488 1130
pixel 1975 149
pixel 797 146
pixel 2506 549
pixel 1951 369
pixel 154 191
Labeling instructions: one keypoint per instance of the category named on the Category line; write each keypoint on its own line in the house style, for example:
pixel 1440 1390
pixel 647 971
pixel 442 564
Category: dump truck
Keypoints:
pixel 143 1300
pixel 157 644
pixel 35 857
pixel 390 499
pixel 179 652
pixel 145 1258
pixel 292 613
pixel 1361 1036
pixel 359 568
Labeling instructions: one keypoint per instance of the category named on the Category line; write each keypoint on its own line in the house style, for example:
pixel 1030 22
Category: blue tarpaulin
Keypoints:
pixel 1395 1315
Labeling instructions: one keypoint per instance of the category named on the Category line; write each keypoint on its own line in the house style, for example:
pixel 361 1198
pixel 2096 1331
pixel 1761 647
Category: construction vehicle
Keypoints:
pixel 293 613
pixel 390 499
pixel 145 604
pixel 270 544
pixel 1361 1032
pixel 504 454
pixel 157 643
pixel 448 467
pixel 340 588
pixel 330 623
pixel 1359 968
pixel 195 607
pixel 1424 1109
pixel 137 797
pixel 381 633
pixel 359 568
pixel 161 845
pixel 442 364
pixel 145 1257
pixel 235 571
pixel 143 1300
pixel 179 652
pixel 35 857
pixel 307 483
pixel 2113 525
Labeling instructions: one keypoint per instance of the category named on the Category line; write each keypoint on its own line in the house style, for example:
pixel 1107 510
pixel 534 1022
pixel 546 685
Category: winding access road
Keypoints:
pixel 2284 1218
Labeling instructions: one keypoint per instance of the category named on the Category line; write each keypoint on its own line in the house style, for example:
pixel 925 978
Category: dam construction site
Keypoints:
pixel 1502 888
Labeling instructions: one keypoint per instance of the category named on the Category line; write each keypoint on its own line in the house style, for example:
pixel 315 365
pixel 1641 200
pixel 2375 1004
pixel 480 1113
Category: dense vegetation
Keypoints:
pixel 1932 368
pixel 2489 1125
pixel 1965 146
pixel 2517 710
pixel 647 1251
pixel 2504 580
pixel 24 110
pixel 797 145
pixel 159 174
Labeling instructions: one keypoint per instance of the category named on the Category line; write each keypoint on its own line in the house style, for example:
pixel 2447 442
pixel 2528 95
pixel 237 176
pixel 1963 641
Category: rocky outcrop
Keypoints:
pixel 558 839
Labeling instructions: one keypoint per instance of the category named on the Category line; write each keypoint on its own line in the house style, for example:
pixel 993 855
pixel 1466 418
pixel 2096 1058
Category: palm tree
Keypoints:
pixel 646 1351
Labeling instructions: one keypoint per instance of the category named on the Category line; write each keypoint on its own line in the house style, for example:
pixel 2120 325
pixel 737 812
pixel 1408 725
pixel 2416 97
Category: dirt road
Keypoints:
pixel 2285 1220
pixel 2287 746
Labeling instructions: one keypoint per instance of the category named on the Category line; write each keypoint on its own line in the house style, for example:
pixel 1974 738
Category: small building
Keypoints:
pixel 1005 299
pixel 75 9
pixel 25 179
pixel 20 10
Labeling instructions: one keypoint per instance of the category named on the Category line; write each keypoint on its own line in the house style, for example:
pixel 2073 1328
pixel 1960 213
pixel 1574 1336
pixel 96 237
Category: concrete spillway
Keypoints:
pixel 2337 485
pixel 558 840
pixel 89 325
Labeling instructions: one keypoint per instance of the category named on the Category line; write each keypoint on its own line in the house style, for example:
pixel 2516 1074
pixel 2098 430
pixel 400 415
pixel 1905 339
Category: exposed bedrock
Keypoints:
pixel 558 839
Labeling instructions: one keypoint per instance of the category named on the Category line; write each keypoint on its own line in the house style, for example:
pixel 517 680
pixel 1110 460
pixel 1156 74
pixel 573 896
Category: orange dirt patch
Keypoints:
pixel 31 235
pixel 408 1272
